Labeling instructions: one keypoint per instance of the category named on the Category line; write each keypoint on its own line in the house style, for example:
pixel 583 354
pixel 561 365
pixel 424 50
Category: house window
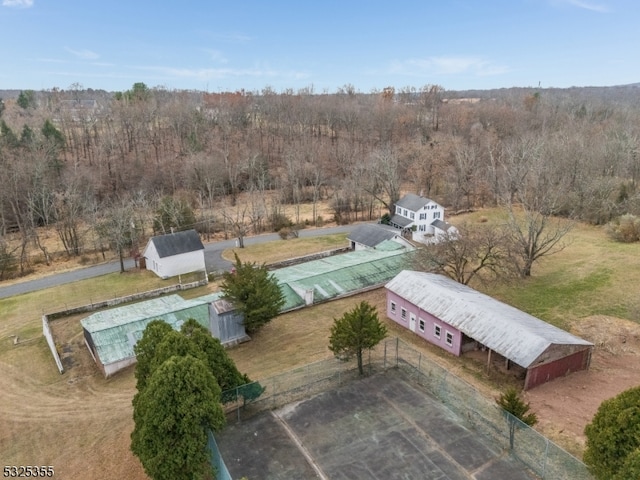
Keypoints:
pixel 412 216
pixel 422 228
pixel 393 307
pixel 398 210
pixel 437 330
pixel 436 214
pixel 449 339
pixel 403 313
pixel 423 216
pixel 421 325
pixel 404 212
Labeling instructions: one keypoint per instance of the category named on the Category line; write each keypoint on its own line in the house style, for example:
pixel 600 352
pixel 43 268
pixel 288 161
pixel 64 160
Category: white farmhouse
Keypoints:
pixel 423 217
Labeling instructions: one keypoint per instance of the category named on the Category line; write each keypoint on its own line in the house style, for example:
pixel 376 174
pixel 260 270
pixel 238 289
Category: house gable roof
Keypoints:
pixel 177 243
pixel 413 202
pixel 442 225
pixel 400 221
pixel 372 235
pixel 514 334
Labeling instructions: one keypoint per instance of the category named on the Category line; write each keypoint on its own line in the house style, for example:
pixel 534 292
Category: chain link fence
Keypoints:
pixel 479 413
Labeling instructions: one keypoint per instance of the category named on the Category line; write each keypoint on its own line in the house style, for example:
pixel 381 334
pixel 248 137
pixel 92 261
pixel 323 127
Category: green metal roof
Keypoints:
pixel 291 298
pixel 341 274
pixel 115 331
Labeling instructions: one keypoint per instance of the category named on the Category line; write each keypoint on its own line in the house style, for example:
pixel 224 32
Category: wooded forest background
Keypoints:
pixel 107 170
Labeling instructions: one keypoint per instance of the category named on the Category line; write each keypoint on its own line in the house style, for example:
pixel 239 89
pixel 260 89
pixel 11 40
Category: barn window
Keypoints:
pixel 403 313
pixel 393 307
pixel 421 325
pixel 449 339
pixel 436 331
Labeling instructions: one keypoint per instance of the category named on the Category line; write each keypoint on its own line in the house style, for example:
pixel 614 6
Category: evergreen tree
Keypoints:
pixel 53 135
pixel 26 99
pixel 175 371
pixel 613 438
pixel 511 403
pixel 145 350
pixel 173 416
pixel 357 330
pixel 254 292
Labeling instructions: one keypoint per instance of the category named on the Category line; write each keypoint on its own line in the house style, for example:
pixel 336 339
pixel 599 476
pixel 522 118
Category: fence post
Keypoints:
pixel 237 405
pixel 397 348
pixel 384 361
pixel 546 455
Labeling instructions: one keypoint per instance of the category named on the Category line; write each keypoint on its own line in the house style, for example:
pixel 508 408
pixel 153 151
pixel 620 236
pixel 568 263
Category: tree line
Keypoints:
pixel 77 159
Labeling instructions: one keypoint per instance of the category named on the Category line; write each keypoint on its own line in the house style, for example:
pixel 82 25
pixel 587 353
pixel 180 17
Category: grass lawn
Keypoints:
pixel 285 249
pixel 80 422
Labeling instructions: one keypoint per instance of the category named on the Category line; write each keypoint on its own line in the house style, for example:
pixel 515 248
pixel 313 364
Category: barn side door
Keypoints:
pixel 412 322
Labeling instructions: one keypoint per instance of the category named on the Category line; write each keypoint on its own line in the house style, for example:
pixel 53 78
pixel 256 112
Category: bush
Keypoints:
pixel 284 233
pixel 278 221
pixel 625 229
pixel 613 437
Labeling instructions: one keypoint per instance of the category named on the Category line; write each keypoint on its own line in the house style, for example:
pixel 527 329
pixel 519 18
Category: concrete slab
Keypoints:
pixel 379 427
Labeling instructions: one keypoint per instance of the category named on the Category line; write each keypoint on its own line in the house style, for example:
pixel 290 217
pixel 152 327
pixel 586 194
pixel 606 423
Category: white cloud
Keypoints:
pixel 83 54
pixel 17 3
pixel 216 56
pixel 203 74
pixel 586 5
pixel 447 66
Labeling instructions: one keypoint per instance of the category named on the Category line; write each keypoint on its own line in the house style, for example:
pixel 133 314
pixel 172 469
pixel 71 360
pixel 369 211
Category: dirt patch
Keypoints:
pixel 566 405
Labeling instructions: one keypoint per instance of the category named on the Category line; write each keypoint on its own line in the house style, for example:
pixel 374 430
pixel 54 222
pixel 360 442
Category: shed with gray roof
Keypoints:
pixel 175 254
pixel 370 235
pixel 459 319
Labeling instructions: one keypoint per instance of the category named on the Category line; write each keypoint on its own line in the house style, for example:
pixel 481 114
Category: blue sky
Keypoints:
pixel 222 45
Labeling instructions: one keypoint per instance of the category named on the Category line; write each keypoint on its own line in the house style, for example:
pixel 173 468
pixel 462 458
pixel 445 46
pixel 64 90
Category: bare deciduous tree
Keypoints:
pixel 476 249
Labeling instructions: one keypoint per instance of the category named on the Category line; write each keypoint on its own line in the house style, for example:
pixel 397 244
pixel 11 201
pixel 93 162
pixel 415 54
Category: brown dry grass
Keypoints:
pixel 279 250
pixel 80 422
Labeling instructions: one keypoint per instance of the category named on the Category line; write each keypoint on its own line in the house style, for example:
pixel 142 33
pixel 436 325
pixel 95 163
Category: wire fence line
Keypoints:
pixel 477 412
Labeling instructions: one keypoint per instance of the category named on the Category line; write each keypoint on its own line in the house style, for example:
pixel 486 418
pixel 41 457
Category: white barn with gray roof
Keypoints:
pixel 175 254
pixel 458 318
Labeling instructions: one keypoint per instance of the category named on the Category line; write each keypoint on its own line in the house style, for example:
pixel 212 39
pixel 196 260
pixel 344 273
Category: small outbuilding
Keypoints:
pixel 175 254
pixel 111 335
pixel 458 319
pixel 369 235
pixel 227 323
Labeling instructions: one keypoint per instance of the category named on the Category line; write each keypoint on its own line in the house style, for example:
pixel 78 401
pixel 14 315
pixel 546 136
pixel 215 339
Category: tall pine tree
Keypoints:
pixel 254 292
